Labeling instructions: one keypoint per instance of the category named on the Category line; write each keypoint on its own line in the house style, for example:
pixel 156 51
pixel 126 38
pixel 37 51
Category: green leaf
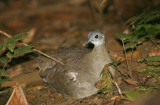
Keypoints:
pixel 22 50
pixel 130 45
pixel 19 36
pixel 138 92
pixel 10 55
pixel 141 89
pixel 2 45
pixel 3 72
pixel 153 59
pixel 122 36
pixel 115 63
pixel 145 90
pixel 102 73
pixel 131 94
pixel 152 71
pixel 140 60
pixel 11 44
pixel 144 69
pixel 3 60
pixel 153 63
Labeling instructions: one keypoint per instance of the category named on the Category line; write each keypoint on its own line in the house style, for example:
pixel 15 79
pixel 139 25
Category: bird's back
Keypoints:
pixel 61 77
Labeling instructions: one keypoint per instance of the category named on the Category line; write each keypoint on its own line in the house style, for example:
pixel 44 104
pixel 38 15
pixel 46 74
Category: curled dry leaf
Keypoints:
pixel 30 36
pixel 132 82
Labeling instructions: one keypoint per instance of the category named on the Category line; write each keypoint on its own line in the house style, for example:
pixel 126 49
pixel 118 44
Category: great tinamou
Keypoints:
pixel 81 69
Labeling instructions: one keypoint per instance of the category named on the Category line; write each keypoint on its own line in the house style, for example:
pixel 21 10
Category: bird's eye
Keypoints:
pixel 96 36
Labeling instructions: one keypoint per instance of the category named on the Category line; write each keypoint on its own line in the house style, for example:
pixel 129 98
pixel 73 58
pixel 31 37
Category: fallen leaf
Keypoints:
pixel 30 36
pixel 132 82
pixel 114 100
pixel 119 80
pixel 31 96
pixel 17 97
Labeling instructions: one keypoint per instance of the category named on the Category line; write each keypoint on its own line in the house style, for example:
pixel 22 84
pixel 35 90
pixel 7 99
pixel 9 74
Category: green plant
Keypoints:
pixel 145 26
pixel 130 94
pixel 106 82
pixel 152 67
pixel 8 51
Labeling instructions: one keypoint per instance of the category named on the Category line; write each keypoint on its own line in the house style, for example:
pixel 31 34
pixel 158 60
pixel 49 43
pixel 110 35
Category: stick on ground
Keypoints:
pixel 9 36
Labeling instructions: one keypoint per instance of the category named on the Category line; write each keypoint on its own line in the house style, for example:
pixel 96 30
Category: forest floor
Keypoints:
pixel 64 24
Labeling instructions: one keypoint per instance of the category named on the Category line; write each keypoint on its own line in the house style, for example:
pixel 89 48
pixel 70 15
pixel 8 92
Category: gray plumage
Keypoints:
pixel 81 69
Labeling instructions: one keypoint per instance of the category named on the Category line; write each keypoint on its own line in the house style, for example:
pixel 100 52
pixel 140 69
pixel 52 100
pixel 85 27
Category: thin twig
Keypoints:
pixel 126 59
pixel 120 72
pixel 155 43
pixel 131 62
pixel 48 56
pixel 5 65
pixel 9 36
pixel 4 33
pixel 117 86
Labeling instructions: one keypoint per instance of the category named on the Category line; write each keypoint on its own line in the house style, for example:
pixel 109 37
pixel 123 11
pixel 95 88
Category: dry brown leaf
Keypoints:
pixel 114 100
pixel 31 96
pixel 132 82
pixel 30 36
pixel 17 97
pixel 119 80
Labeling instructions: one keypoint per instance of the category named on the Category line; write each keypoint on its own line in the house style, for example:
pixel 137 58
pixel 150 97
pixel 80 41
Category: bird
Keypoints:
pixel 81 69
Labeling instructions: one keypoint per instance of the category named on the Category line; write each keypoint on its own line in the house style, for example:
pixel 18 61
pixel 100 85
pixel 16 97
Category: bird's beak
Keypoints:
pixel 86 42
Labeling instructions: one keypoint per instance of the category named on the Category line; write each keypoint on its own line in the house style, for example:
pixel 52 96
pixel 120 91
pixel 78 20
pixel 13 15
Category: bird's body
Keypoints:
pixel 81 69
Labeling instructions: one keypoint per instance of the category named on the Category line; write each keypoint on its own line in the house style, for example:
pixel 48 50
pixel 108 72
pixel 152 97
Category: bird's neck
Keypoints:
pixel 100 54
pixel 99 49
pixel 98 58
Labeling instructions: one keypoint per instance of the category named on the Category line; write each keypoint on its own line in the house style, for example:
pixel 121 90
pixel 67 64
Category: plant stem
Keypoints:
pixel 131 63
pixel 125 54
pixel 117 86
pixel 155 43
pixel 116 68
pixel 4 65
